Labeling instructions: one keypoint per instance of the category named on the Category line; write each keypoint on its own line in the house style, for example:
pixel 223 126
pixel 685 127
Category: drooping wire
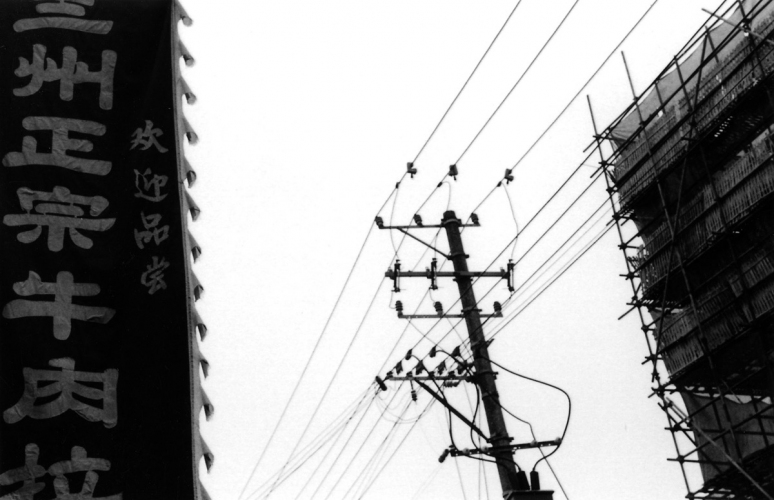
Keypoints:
pixel 403 238
pixel 533 218
pixel 427 482
pixel 338 369
pixel 569 412
pixel 352 461
pixel 486 481
pixel 548 463
pixel 325 457
pixel 400 445
pixel 360 448
pixel 621 42
pixel 556 119
pixel 537 56
pixel 373 463
pixel 479 206
pixel 626 36
pixel 314 350
pixel 459 475
pixel 515 221
pixel 468 80
pixel 331 430
pixel 392 216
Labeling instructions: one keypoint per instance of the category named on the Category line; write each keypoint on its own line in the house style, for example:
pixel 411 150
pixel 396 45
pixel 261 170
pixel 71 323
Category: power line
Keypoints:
pixel 528 68
pixel 314 350
pixel 566 425
pixel 372 463
pixel 344 447
pixel 325 457
pixel 556 119
pixel 429 405
pixel 360 448
pixel 332 429
pixel 572 263
pixel 561 113
pixel 514 296
pixel 553 196
pixel 336 372
pixel 466 81
pixel 561 23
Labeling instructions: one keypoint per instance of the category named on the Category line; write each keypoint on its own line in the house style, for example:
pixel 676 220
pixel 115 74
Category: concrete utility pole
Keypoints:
pixel 515 484
pixel 485 377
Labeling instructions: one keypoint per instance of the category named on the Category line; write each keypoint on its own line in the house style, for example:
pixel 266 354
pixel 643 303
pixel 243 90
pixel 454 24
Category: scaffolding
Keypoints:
pixel 689 167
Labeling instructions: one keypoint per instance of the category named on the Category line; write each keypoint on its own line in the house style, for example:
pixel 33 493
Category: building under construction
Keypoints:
pixel 691 179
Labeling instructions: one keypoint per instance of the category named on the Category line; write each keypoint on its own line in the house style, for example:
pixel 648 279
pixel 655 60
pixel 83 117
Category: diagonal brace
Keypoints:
pixel 444 402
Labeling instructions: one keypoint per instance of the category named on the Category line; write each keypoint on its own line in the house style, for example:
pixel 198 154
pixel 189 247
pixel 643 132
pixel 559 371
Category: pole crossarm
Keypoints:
pixel 502 274
pixel 380 225
pixel 425 377
pixel 433 274
pixel 521 446
pixel 498 314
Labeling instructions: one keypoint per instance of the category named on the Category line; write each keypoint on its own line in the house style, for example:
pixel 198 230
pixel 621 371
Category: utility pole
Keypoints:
pixel 515 485
pixel 485 377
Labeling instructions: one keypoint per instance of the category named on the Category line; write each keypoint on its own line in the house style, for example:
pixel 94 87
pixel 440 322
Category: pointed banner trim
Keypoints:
pixel 191 206
pixel 209 457
pixel 189 172
pixel 186 91
pixel 189 132
pixel 196 249
pixel 209 408
pixel 198 323
pixel 205 365
pixel 182 14
pixel 196 287
pixel 187 57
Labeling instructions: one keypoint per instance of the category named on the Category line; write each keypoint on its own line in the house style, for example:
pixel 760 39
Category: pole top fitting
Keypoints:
pixel 450 217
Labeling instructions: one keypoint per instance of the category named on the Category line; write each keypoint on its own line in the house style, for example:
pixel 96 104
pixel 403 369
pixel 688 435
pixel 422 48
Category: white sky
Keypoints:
pixel 307 114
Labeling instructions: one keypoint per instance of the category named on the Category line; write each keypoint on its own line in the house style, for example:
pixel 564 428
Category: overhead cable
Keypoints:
pixel 400 445
pixel 561 23
pixel 314 350
pixel 336 372
pixel 593 75
pixel 466 81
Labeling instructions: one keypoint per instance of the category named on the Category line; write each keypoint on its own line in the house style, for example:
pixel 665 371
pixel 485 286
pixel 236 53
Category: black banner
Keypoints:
pixel 95 352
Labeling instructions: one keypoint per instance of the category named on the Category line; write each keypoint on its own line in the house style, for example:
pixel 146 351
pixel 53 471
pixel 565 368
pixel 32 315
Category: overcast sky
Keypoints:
pixel 307 113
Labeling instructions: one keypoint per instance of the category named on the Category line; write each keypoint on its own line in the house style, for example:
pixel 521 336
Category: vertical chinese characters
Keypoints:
pixel 63 96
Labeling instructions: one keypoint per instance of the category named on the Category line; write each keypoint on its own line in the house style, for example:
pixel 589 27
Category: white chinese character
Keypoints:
pixel 149 188
pixel 147 138
pixel 62 308
pixel 67 218
pixel 60 144
pixel 44 69
pixel 26 475
pixel 68 23
pixel 66 382
pixel 152 230
pixel 80 462
pixel 153 277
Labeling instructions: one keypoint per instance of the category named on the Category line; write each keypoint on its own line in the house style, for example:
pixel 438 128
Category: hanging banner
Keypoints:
pixel 96 357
